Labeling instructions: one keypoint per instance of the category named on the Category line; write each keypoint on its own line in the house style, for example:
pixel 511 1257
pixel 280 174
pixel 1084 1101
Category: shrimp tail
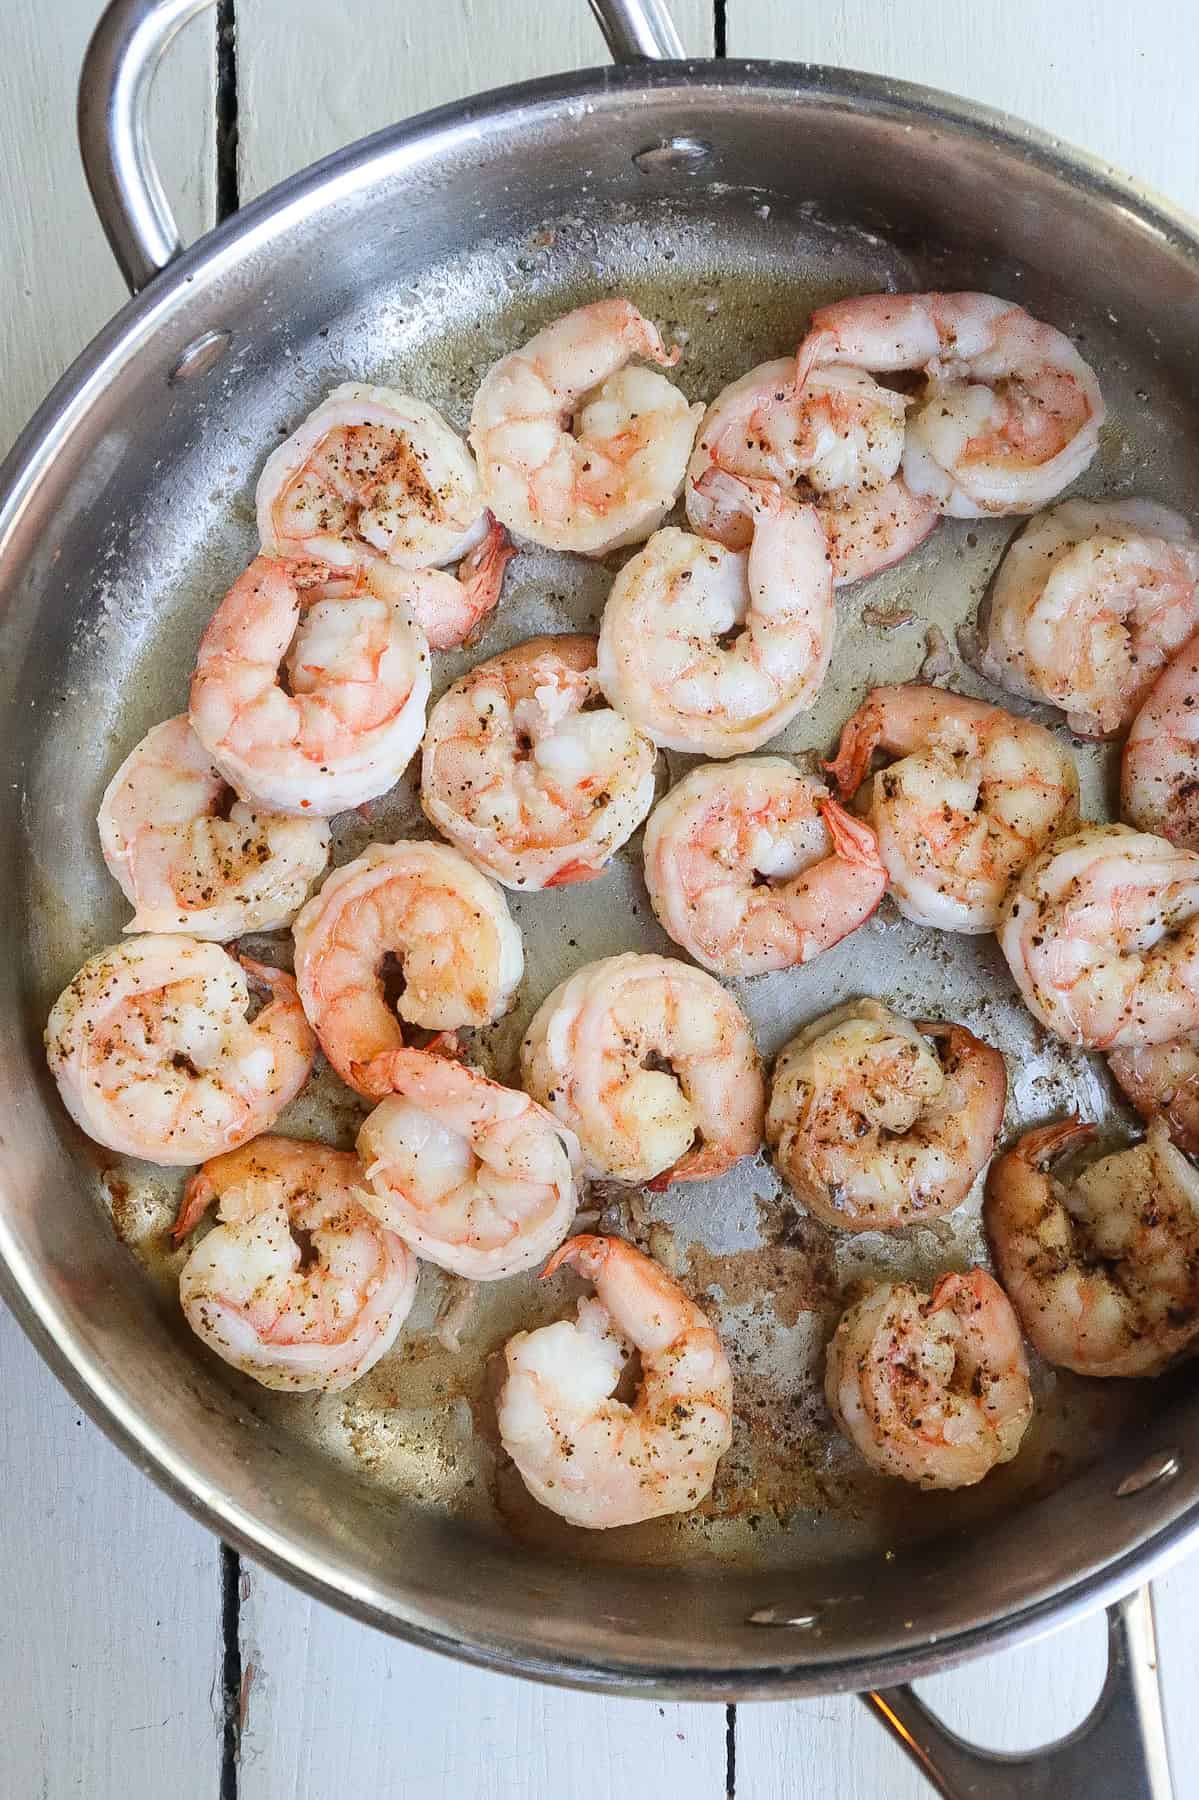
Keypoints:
pixel 585 1253
pixel 198 1196
pixel 572 872
pixel 816 344
pixel 482 572
pixel 853 840
pixel 860 738
pixel 1049 1141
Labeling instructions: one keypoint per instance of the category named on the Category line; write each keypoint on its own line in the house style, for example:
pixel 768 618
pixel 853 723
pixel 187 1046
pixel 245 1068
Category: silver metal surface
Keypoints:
pixel 126 509
pixel 1162 1467
pixel 1118 1750
pixel 637 30
pixel 114 93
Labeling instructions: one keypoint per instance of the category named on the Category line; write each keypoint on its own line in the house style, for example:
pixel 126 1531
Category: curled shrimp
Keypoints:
pixel 876 1122
pixel 931 1388
pixel 449 607
pixel 1103 1269
pixel 1010 412
pixel 1162 1081
pixel 596 1460
pixel 425 905
pixel 835 443
pixel 475 1177
pixel 529 772
pixel 1088 604
pixel 1159 777
pixel 296 1312
pixel 187 863
pixel 652 1065
pixel 578 450
pixel 975 794
pixel 370 476
pixel 752 866
pixel 154 1056
pixel 1101 934
pixel 713 650
pixel 346 726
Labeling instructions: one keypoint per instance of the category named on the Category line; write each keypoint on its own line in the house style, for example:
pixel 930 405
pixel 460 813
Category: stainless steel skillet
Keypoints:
pixel 727 198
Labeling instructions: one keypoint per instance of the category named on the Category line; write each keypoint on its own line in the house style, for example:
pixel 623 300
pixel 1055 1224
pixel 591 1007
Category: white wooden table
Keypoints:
pixel 136 1657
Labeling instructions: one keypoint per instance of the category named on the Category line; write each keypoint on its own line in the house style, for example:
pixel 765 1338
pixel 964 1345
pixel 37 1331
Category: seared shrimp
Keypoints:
pixel 185 861
pixel 529 772
pixel 751 866
pixel 1088 604
pixel 599 1461
pixel 448 608
pixel 298 1318
pixel 424 904
pixel 1101 934
pixel 1010 412
pixel 714 650
pixel 876 1122
pixel 1103 1269
pixel 652 1065
pixel 836 443
pixel 474 1176
pixel 154 1056
pixel 1159 784
pixel 577 450
pixel 931 1388
pixel 371 476
pixel 975 795
pixel 345 727
pixel 1162 1081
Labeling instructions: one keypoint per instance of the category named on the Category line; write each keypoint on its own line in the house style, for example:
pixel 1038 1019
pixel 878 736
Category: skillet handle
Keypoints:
pixel 114 88
pixel 1118 1750
pixel 638 30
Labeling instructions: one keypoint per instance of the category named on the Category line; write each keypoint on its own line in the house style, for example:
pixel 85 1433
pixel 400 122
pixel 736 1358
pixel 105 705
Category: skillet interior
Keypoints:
pixel 416 260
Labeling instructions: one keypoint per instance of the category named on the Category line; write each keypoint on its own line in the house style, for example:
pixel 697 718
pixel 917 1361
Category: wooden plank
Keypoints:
pixel 110 1622
pixel 1093 72
pixel 335 1708
pixel 313 77
pixel 58 282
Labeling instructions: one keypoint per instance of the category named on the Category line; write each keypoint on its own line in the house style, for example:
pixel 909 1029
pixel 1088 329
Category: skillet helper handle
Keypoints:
pixel 1117 1753
pixel 638 30
pixel 114 89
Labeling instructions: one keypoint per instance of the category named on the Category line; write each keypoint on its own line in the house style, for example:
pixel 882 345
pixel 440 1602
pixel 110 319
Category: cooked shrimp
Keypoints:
pixel 1103 1269
pixel 1089 602
pixel 1162 1081
pixel 371 475
pixel 1159 785
pixel 424 904
pixel 577 450
pixel 475 1177
pixel 975 795
pixel 184 862
pixel 1101 934
pixel 345 727
pixel 295 1311
pixel 1010 412
pixel 931 1388
pixel 154 1056
pixel 876 1122
pixel 836 443
pixel 714 650
pixel 652 1065
pixel 751 866
pixel 529 772
pixel 448 607
pixel 599 1461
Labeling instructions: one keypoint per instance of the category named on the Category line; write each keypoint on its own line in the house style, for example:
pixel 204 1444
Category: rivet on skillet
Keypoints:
pixel 672 153
pixel 202 354
pixel 1164 1466
pixel 778 1615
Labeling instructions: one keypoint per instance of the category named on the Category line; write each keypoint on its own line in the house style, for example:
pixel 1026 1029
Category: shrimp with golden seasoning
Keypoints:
pixel 1159 785
pixel 932 1388
pixel 595 1460
pixel 1103 1268
pixel 296 1284
pixel 877 1122
pixel 1162 1081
